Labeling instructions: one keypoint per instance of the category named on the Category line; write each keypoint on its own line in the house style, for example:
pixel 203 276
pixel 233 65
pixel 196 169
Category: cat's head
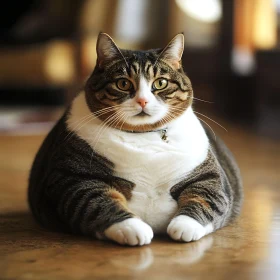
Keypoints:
pixel 138 90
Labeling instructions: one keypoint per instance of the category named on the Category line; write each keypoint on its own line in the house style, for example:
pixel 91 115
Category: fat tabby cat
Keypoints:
pixel 130 159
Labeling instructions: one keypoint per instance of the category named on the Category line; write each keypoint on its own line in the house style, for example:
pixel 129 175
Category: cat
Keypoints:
pixel 129 158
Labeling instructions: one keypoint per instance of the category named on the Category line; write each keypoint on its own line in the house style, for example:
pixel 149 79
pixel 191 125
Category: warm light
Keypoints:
pixel 88 55
pixel 60 64
pixel 203 10
pixel 265 24
pixel 255 27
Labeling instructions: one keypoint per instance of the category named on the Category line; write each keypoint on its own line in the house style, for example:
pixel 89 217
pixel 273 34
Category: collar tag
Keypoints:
pixel 164 136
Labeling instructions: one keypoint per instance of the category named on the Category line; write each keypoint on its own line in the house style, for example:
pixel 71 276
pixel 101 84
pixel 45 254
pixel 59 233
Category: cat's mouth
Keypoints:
pixel 142 114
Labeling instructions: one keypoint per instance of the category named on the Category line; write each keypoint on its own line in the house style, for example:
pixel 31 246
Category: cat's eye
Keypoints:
pixel 160 83
pixel 124 84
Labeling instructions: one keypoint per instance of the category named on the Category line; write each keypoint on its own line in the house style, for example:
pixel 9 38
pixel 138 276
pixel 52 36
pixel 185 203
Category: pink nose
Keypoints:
pixel 142 102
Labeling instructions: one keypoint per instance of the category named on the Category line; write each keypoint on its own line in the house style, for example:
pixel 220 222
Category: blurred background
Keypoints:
pixel 232 56
pixel 47 50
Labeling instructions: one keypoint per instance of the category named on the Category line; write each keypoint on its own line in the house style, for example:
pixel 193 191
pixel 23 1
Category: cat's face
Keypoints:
pixel 138 90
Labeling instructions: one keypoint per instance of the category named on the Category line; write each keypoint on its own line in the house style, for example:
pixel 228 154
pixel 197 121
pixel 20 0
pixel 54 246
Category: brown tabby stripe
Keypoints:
pixel 102 92
pixel 230 174
pixel 207 193
pixel 72 188
pixel 69 193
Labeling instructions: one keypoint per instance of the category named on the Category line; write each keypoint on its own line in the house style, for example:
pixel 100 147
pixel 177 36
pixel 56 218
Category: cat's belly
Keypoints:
pixel 150 198
pixel 153 165
pixel 154 169
pixel 155 209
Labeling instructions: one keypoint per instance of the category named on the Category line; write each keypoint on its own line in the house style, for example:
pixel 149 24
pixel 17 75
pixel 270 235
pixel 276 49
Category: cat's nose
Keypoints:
pixel 142 102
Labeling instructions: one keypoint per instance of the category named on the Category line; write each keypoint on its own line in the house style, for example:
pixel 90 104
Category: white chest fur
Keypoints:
pixel 145 159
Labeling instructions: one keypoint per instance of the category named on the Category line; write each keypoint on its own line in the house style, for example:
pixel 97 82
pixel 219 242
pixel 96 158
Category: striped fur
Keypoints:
pixel 101 90
pixel 92 183
pixel 73 189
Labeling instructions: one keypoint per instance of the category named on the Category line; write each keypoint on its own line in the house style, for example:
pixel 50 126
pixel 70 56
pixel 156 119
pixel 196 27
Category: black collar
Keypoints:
pixel 162 131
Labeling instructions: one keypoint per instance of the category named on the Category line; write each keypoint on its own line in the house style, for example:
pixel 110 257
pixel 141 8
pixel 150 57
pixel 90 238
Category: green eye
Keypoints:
pixel 124 84
pixel 160 83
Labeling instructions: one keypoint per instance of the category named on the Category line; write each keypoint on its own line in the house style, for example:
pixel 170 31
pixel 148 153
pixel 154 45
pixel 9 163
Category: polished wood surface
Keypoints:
pixel 247 249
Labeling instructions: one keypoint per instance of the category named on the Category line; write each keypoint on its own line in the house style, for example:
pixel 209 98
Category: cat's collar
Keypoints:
pixel 162 131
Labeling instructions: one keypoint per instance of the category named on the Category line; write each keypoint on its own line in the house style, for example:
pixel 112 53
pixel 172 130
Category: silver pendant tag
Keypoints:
pixel 164 136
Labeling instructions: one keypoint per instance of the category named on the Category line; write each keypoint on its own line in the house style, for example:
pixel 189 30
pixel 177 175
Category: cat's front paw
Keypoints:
pixel 132 231
pixel 186 229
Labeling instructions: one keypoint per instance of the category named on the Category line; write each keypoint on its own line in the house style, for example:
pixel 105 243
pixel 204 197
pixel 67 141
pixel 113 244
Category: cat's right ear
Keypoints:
pixel 106 49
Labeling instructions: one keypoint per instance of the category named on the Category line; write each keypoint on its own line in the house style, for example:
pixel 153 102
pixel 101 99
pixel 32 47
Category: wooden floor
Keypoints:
pixel 247 249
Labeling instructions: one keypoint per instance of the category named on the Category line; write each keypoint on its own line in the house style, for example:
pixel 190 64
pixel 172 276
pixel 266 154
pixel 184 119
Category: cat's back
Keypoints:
pixel 230 167
pixel 62 156
pixel 38 202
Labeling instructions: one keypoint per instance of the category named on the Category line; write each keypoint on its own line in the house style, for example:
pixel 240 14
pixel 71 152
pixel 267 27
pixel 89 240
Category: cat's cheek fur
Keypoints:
pixel 186 229
pixel 132 231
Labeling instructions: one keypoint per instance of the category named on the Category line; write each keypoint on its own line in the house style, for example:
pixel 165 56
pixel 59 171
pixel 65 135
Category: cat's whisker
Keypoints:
pixel 211 120
pixel 124 121
pixel 199 99
pixel 206 101
pixel 103 125
pixel 180 110
pixel 120 118
pixel 83 121
pixel 107 108
pixel 106 124
pixel 82 118
pixel 177 112
pixel 170 116
pixel 209 127
pixel 86 117
pixel 110 179
pixel 115 120
pixel 98 135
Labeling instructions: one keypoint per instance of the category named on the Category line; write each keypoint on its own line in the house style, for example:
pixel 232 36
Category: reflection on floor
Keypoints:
pixel 247 249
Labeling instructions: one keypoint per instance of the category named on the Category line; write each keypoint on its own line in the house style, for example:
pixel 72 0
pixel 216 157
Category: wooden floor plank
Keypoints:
pixel 247 249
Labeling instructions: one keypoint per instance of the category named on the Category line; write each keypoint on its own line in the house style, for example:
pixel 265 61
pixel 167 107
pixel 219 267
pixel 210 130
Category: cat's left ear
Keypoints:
pixel 107 50
pixel 173 52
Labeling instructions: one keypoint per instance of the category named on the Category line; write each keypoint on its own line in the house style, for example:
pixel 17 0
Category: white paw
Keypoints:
pixel 131 231
pixel 186 229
